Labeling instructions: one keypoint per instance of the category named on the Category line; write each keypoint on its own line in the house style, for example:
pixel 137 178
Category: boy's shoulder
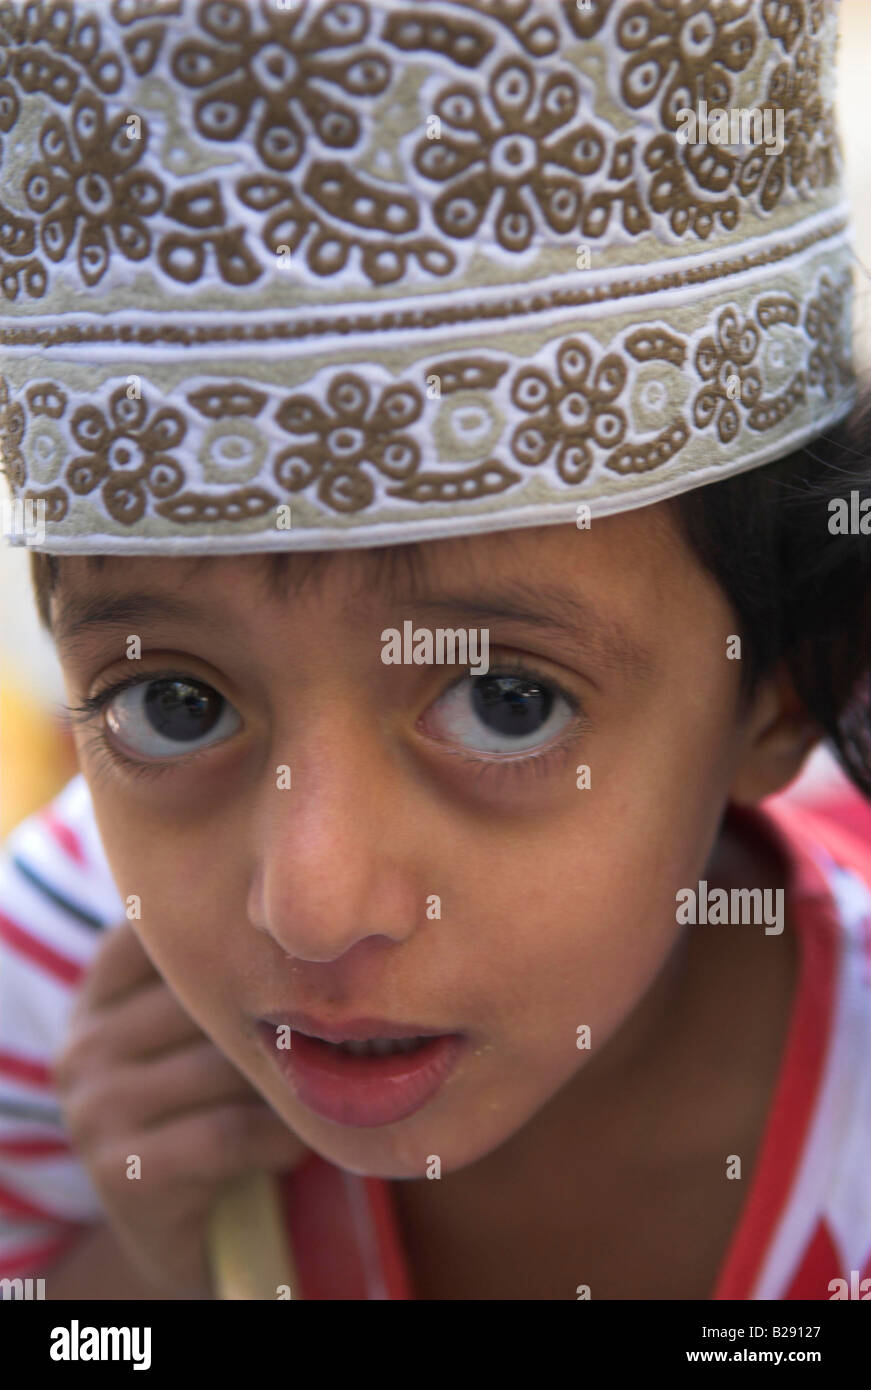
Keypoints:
pixel 807 1228
pixel 57 893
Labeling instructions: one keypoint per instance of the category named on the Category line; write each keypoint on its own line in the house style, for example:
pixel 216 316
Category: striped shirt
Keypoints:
pixel 806 1219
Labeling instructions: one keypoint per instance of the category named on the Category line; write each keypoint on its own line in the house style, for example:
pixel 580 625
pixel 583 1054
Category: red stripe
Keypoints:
pixel 34 1148
pixel 25 1069
pixel 394 1267
pixel 65 837
pixel 19 1206
pixel 819 1266
pixel 319 1223
pixel 797 1087
pixel 51 961
pixel 34 1257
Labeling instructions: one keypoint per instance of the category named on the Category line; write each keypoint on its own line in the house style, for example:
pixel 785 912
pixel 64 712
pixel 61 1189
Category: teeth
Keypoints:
pixel 380 1047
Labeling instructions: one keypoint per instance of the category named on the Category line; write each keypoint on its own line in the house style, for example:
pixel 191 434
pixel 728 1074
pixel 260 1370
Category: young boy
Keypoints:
pixel 502 966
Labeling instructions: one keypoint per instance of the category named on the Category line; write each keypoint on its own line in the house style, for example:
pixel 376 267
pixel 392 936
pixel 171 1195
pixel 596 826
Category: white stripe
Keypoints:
pixel 84 886
pixel 59 1184
pixel 44 920
pixel 333 339
pixel 34 1008
pixel 832 1178
pixel 364 1232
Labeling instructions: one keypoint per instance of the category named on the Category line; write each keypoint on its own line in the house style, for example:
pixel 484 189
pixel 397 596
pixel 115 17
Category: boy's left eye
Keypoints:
pixel 166 716
pixel 500 713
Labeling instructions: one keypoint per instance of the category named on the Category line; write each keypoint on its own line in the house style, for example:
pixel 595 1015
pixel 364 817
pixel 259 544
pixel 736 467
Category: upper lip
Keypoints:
pixel 352 1029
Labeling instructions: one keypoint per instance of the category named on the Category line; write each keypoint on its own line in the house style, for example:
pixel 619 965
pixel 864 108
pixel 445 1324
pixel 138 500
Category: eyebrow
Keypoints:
pixel 542 606
pixel 78 616
pixel 563 614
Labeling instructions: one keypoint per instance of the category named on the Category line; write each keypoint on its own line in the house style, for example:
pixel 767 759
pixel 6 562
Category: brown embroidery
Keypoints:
pixel 45 49
pixel 87 184
pixel 462 40
pixel 537 33
pixel 217 401
pixel 683 53
pixel 641 458
pixel 239 504
pixel 453 312
pixel 303 152
pixel 57 502
pixel 144 45
pixel 573 411
pixel 575 419
pixel 12 424
pixel 534 154
pixel 766 414
pixel 808 159
pixel 466 374
pixel 517 146
pixel 128 457
pixel 830 358
pixel 466 485
pixel 350 434
pixel 724 362
pixel 287 73
pixel 650 344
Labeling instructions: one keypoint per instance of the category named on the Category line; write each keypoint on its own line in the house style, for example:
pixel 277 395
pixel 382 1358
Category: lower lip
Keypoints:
pixel 363 1091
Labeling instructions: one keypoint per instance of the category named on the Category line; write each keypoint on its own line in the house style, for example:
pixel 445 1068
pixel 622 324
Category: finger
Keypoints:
pixel 139 1098
pixel 119 968
pixel 192 1078
pixel 141 1026
pixel 210 1147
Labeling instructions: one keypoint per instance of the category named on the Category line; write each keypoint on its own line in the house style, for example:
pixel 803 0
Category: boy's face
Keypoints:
pixel 607 650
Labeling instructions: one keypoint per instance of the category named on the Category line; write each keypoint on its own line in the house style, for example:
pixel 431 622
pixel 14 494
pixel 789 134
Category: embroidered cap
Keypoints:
pixel 302 275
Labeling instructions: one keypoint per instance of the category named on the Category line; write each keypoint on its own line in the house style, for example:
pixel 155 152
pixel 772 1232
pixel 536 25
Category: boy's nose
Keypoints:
pixel 335 857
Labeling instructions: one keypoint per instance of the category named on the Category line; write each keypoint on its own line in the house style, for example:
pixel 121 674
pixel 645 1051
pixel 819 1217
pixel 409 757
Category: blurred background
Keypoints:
pixel 36 754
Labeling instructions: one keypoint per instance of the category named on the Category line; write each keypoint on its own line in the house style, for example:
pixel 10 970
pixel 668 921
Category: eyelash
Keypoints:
pixel 539 763
pixel 92 707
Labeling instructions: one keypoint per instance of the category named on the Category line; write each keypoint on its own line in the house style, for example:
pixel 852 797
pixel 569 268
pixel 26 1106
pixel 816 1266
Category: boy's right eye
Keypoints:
pixel 165 716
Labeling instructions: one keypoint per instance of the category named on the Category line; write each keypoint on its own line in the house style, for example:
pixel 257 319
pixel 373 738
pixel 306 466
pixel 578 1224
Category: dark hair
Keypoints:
pixel 800 589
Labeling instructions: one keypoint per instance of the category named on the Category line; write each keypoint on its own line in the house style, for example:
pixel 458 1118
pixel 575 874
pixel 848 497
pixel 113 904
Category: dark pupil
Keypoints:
pixel 182 711
pixel 511 704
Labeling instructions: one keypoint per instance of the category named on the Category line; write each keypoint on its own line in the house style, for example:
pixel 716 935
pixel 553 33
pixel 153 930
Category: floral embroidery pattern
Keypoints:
pixel 573 411
pixel 350 434
pixel 723 361
pixel 829 361
pixel 362 445
pixel 807 161
pixel 279 69
pixel 126 455
pixel 515 162
pixel 299 83
pixel 683 52
pixel 88 177
pixel 458 152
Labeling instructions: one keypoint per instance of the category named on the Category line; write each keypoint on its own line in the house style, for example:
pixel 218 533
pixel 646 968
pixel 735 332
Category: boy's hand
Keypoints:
pixel 138 1076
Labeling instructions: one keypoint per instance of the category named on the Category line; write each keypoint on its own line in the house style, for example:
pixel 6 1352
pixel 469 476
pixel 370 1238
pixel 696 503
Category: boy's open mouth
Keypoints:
pixel 375 1079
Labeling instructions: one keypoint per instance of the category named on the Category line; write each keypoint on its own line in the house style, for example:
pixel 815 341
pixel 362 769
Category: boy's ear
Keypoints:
pixel 778 735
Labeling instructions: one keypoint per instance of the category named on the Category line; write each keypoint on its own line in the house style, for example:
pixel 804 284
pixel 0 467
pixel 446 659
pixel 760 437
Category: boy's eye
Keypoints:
pixel 500 713
pixel 158 718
